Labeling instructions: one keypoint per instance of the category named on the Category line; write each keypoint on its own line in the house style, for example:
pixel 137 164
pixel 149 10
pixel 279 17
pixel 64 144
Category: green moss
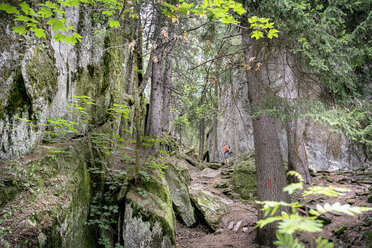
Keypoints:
pixel 339 230
pixel 154 206
pixel 7 194
pixel 18 98
pixel 244 178
pixel 42 76
pixel 369 240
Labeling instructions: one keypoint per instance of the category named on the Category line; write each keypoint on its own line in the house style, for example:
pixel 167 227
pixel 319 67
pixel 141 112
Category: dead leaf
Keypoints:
pixel 132 45
pixel 208 44
pixel 154 46
pixel 185 37
pixel 247 67
pixel 164 33
pixel 258 64
pixel 213 79
pixel 252 59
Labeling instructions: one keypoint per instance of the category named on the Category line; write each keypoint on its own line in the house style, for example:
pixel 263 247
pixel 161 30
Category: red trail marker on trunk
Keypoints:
pixel 271 186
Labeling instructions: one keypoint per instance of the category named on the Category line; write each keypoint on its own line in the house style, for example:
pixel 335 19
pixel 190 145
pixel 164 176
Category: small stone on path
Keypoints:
pixel 237 226
pixel 231 225
pixel 245 229
pixel 209 173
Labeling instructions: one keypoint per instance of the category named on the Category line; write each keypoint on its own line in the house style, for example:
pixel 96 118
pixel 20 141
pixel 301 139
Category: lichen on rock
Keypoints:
pixel 211 206
pixel 149 220
pixel 175 176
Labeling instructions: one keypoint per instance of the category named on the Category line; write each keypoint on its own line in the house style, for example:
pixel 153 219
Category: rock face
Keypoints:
pixel 323 150
pixel 179 191
pixel 39 77
pixel 149 220
pixel 52 210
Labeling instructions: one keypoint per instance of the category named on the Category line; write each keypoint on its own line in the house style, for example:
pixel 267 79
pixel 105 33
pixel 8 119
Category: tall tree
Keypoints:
pixel 270 172
pixel 161 75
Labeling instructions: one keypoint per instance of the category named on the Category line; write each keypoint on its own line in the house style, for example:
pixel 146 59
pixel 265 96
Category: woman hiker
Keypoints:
pixel 226 153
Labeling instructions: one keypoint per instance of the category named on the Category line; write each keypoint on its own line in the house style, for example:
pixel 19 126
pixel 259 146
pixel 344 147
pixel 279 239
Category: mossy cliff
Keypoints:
pixel 52 201
pixel 41 76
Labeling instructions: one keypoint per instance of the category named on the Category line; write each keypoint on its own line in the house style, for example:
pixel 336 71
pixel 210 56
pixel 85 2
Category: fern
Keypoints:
pixel 287 241
pixel 327 191
pixel 337 207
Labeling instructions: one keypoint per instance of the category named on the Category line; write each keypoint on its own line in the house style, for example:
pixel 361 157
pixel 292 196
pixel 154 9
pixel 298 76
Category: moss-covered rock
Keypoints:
pixel 180 193
pixel 54 201
pixel 244 177
pixel 212 207
pixel 149 220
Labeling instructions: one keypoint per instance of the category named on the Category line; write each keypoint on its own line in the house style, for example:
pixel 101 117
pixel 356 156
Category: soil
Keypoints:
pixel 357 228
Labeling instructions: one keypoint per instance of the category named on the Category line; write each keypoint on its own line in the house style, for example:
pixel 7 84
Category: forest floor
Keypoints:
pixel 344 231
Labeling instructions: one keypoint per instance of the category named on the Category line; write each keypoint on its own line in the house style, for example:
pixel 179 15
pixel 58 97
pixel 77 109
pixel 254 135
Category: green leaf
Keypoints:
pixel 337 207
pixel 323 243
pixel 292 188
pixel 257 34
pixel 229 20
pixel 39 32
pixel 71 39
pixel 78 37
pixel 298 223
pixel 263 20
pixel 327 191
pixel 59 37
pixel 287 241
pixel 25 7
pixel 20 30
pixel 59 11
pixel 107 12
pixel 45 12
pixel 273 33
pixel 115 24
pixel 253 19
pixel 9 9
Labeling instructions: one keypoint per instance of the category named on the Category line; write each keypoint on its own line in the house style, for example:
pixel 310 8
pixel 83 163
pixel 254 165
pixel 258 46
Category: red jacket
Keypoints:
pixel 225 148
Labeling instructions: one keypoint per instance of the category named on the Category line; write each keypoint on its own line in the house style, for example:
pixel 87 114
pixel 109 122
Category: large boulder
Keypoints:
pixel 211 206
pixel 149 220
pixel 244 176
pixel 177 177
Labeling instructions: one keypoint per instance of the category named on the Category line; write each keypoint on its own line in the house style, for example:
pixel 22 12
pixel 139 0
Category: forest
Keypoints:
pixel 193 124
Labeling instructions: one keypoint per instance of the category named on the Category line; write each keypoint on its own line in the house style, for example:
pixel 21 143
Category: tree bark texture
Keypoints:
pixel 161 78
pixel 270 172
pixel 297 158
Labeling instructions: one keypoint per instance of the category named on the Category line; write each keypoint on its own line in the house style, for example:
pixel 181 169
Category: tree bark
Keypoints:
pixel 156 99
pixel 297 158
pixel 167 93
pixel 270 172
pixel 214 149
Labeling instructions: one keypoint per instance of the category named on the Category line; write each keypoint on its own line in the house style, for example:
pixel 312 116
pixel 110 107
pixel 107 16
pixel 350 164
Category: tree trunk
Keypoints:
pixel 167 84
pixel 156 99
pixel 214 149
pixel 297 158
pixel 270 172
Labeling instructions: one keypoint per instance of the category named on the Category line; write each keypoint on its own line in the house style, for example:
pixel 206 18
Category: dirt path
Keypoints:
pixel 356 229
pixel 236 228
